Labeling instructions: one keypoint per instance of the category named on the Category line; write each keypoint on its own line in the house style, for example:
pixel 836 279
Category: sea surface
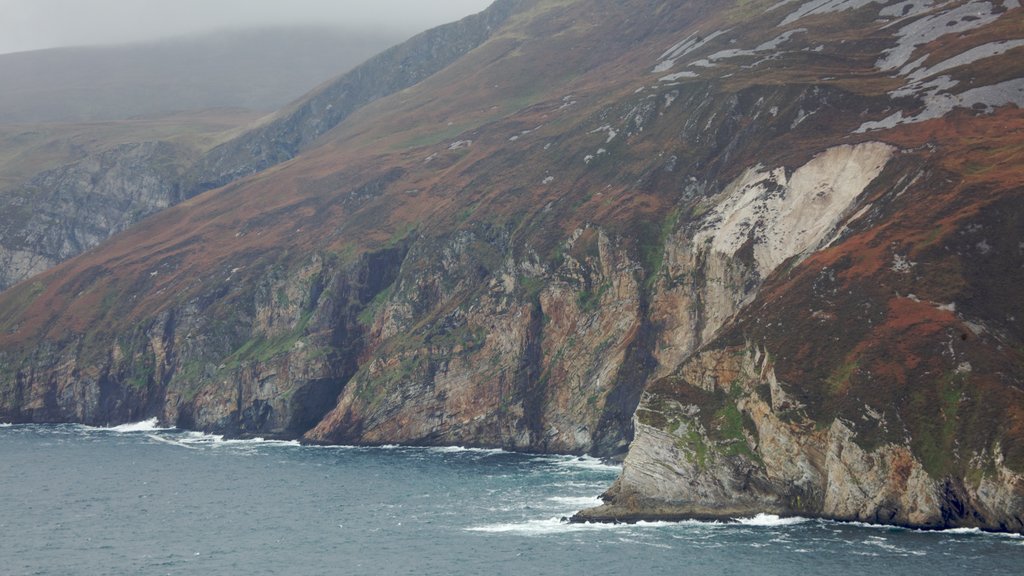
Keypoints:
pixel 137 499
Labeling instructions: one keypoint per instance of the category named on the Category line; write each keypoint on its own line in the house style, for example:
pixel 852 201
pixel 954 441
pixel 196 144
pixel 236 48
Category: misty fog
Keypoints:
pixel 38 24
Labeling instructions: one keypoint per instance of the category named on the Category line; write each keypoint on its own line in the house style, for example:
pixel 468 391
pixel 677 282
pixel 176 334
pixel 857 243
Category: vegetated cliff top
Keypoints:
pixel 600 138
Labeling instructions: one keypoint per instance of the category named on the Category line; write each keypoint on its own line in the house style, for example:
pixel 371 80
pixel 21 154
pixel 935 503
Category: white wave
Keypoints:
pixel 559 526
pixel 255 442
pixel 947 531
pixel 588 463
pixel 884 544
pixel 963 531
pixel 193 439
pixel 460 449
pixel 886 527
pixel 149 425
pixel 576 502
pixel 770 520
pixel 5 424
pixel 980 532
pixel 170 441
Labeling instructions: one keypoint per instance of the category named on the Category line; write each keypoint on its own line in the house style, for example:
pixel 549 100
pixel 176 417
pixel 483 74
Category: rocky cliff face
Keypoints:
pixel 698 233
pixel 64 211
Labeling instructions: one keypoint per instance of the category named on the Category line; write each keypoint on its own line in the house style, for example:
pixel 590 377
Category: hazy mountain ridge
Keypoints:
pixel 708 223
pixel 259 70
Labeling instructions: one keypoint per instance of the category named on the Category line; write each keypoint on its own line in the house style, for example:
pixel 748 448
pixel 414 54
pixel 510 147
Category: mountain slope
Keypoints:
pixel 770 248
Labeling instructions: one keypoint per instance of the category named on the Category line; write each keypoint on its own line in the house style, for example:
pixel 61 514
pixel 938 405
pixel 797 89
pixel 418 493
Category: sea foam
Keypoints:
pixel 197 440
pixel 588 463
pixel 560 526
pixel 576 502
pixel 461 449
pixel 149 425
pixel 770 520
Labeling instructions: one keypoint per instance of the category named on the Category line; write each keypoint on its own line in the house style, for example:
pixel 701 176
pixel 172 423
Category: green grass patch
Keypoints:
pixel 367 315
pixel 529 288
pixel 652 240
pixel 693 445
pixel 935 436
pixel 589 300
pixel 433 137
pixel 400 233
pixel 838 382
pixel 262 349
pixel 933 236
pixel 730 426
pixel 142 375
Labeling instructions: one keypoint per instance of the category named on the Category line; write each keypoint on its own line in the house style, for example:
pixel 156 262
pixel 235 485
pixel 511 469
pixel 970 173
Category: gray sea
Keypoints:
pixel 137 499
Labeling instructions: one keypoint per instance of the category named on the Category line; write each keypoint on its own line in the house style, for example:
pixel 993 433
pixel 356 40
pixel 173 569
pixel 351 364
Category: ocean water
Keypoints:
pixel 141 500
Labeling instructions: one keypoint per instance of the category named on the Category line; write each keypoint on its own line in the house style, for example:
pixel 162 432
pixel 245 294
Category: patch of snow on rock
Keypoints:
pixel 677 76
pixel 612 133
pixel 801 115
pixel 928 28
pixel 933 89
pixel 692 42
pixel 969 57
pixel 938 105
pixel 901 265
pixel 824 7
pixel 929 88
pixel 771 47
pixel 903 9
pixel 785 215
pixel 779 40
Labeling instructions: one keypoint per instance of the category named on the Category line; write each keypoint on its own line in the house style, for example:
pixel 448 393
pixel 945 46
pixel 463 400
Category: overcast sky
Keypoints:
pixel 36 24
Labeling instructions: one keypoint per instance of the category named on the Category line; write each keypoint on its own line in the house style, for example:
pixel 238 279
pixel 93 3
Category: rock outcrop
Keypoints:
pixel 724 439
pixel 65 211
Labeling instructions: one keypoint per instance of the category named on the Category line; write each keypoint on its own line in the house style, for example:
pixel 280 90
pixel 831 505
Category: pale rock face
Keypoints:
pixel 788 216
pixel 886 482
pixel 782 216
pixel 21 264
pixel 64 211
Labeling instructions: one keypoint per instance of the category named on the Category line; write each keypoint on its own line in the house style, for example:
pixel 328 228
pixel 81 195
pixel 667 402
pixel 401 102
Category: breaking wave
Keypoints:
pixel 576 502
pixel 560 526
pixel 587 463
pixel 197 440
pixel 149 425
pixel 770 520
